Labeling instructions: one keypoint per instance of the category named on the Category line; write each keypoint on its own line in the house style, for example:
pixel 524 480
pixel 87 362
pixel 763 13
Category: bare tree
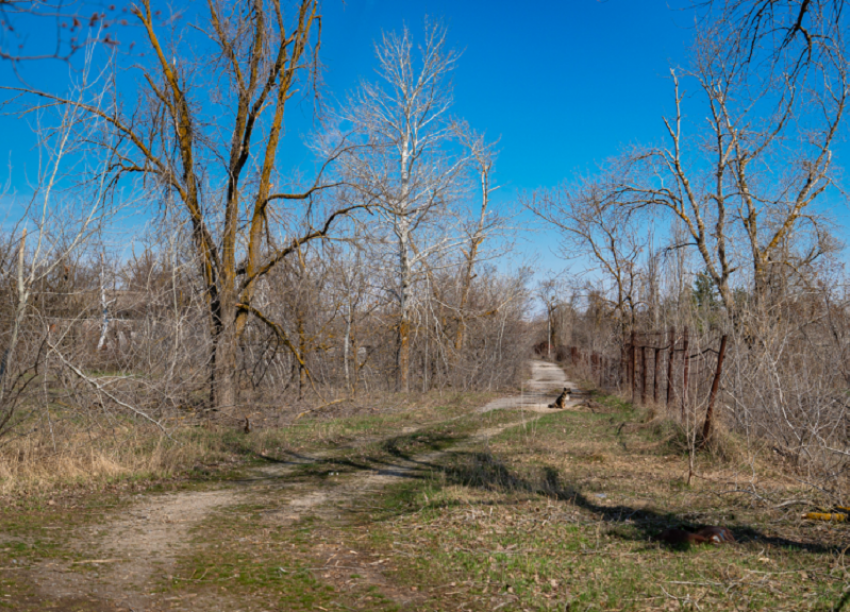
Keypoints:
pixel 353 289
pixel 61 229
pixel 551 291
pixel 225 183
pixel 485 224
pixel 594 226
pixel 13 39
pixel 752 177
pixel 407 171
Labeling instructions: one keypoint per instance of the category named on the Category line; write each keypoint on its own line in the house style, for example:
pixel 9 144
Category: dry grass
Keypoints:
pixel 86 451
pixel 41 463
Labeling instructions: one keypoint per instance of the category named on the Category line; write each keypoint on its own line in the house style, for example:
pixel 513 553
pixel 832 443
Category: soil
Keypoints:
pixel 131 551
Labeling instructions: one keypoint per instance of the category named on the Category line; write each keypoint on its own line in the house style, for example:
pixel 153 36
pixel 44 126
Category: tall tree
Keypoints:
pixel 771 156
pixel 480 227
pixel 212 146
pixel 594 226
pixel 407 171
pixel 744 182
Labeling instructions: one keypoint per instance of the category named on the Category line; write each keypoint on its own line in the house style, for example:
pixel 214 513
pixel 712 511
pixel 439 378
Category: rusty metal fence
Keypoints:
pixel 671 368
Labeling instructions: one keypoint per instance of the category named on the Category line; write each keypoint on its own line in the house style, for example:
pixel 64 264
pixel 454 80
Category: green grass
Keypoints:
pixel 528 555
pixel 37 531
pixel 374 451
pixel 269 566
pixel 553 513
pixel 315 431
pixel 521 525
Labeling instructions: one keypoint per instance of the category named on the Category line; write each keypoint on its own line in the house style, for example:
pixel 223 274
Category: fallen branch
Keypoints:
pixel 317 408
pixel 100 389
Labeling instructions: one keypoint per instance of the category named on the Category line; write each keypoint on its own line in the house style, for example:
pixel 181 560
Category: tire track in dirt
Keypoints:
pixel 546 382
pixel 141 546
pixel 338 562
pixel 125 558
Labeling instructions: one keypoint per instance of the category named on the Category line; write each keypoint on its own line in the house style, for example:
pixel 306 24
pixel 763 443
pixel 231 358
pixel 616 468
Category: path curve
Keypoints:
pixel 546 383
pixel 142 544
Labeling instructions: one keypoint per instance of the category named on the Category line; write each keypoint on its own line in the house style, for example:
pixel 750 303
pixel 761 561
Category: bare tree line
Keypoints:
pixel 254 287
pixel 717 229
pixel 251 287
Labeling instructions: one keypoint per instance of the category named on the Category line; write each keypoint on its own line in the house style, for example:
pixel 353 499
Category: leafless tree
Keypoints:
pixel 407 171
pixel 357 298
pixel 734 200
pixel 484 223
pixel 225 183
pixel 61 227
pixel 594 226
pixel 14 38
pixel 753 176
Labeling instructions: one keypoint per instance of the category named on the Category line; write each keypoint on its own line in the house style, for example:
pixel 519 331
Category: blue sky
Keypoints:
pixel 564 84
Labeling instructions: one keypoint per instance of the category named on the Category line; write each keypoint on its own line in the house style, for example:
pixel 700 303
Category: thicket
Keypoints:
pixel 248 288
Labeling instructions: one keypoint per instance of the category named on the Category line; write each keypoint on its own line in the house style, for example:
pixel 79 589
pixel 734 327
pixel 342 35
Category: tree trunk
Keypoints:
pixel 356 365
pixel 302 351
pixel 685 364
pixel 633 367
pixel 224 357
pixel 403 359
pixel 403 354
pixel 715 387
pixel 656 364
pixel 670 358
pixel 346 347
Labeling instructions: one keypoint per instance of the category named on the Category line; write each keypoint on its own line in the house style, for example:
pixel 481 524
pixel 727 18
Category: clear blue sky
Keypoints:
pixel 564 84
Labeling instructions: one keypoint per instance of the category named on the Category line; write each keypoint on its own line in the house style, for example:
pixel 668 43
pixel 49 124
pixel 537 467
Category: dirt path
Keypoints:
pixel 546 383
pixel 127 557
pixel 124 558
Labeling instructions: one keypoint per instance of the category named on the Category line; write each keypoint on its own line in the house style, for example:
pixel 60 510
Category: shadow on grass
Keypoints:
pixel 422 456
pixel 397 457
pixel 484 471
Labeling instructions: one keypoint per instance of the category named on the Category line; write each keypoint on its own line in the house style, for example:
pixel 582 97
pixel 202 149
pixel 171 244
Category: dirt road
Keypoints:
pixel 134 551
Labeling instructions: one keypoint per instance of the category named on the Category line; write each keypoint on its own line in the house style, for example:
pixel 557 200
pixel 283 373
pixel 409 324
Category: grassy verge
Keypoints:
pixel 554 513
pixel 562 516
